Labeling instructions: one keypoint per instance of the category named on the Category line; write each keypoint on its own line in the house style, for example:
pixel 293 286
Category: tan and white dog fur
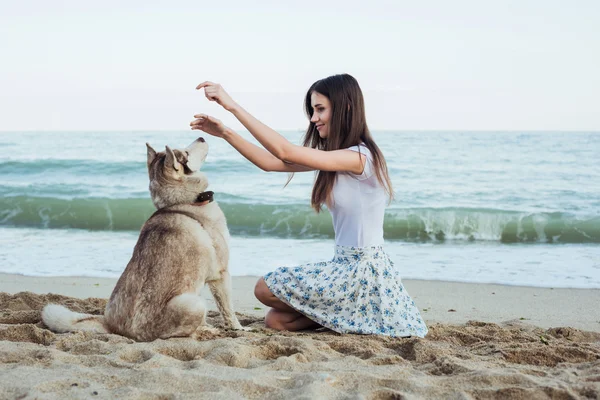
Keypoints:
pixel 180 248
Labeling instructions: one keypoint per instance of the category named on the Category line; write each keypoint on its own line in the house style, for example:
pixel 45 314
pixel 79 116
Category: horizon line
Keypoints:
pixel 120 130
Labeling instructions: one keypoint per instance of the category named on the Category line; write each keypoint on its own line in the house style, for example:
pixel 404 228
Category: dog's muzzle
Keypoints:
pixel 196 152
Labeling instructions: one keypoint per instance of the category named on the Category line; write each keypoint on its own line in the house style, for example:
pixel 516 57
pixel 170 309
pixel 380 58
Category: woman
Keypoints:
pixel 359 290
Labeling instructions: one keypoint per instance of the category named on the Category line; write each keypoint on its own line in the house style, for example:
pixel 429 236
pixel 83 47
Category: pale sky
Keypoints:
pixel 431 65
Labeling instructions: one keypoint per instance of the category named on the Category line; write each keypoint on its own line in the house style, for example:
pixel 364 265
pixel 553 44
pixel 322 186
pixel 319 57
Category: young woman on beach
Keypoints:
pixel 359 290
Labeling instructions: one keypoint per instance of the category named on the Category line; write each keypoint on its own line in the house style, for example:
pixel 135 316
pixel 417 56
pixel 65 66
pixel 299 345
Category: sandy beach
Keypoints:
pixel 485 341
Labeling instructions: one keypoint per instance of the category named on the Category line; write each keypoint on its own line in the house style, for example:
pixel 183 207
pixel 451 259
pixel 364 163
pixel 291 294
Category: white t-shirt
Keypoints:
pixel 359 206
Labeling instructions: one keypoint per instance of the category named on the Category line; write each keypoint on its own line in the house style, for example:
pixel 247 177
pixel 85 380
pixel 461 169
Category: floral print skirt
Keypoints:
pixel 358 291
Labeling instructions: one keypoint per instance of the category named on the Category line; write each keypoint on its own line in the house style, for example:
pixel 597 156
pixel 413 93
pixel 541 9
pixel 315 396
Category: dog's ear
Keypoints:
pixel 171 160
pixel 151 154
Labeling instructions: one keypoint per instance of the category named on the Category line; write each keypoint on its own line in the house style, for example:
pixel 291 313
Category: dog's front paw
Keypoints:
pixel 245 329
pixel 239 327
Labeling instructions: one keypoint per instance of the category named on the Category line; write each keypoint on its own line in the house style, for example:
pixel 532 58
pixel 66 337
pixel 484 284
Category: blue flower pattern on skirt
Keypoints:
pixel 358 291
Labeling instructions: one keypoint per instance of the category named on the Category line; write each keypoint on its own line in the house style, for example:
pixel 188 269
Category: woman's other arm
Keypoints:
pixel 256 155
pixel 261 157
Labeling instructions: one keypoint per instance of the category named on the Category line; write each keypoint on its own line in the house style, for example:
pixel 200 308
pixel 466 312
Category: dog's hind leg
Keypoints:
pixel 221 291
pixel 184 315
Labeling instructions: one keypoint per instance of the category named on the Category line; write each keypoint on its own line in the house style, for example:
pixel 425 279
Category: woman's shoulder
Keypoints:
pixel 368 168
pixel 361 147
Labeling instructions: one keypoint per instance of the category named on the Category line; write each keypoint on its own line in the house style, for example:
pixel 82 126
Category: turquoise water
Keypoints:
pixel 522 205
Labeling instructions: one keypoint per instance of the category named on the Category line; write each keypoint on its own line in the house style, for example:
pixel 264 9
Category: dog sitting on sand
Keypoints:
pixel 182 246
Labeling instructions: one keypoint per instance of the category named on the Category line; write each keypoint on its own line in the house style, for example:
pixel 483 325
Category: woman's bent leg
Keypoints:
pixel 288 321
pixel 281 317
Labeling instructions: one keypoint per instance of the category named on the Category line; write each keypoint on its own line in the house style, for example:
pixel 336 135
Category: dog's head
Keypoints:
pixel 174 174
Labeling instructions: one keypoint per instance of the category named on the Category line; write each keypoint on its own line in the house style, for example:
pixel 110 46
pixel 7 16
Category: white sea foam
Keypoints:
pixel 38 252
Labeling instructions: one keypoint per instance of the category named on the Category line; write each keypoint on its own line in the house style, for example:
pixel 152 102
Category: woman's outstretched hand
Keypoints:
pixel 215 92
pixel 209 124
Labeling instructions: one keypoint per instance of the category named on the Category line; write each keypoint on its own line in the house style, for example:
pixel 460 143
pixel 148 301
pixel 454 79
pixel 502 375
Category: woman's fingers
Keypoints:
pixel 215 92
pixel 208 124
pixel 200 118
pixel 211 90
pixel 204 84
pixel 198 123
pixel 204 117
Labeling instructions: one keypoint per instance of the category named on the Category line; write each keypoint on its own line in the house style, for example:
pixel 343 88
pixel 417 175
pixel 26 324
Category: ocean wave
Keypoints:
pixel 28 167
pixel 94 167
pixel 299 221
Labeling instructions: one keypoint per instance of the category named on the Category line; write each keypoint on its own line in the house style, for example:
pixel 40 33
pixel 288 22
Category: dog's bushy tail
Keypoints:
pixel 61 319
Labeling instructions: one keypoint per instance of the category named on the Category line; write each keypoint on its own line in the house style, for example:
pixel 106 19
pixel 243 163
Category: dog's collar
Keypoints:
pixel 204 198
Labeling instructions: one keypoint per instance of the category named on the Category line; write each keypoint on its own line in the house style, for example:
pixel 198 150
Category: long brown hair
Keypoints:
pixel 347 128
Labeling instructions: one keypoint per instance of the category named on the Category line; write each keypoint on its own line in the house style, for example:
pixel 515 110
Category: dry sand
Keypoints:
pixel 509 359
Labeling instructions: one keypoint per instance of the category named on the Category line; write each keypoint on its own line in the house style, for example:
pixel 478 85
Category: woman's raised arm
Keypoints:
pixel 280 147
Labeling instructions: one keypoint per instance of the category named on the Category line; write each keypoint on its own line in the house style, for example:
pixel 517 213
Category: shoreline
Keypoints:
pixel 439 301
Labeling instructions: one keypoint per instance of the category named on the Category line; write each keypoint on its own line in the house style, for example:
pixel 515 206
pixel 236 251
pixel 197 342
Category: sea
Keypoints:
pixel 512 208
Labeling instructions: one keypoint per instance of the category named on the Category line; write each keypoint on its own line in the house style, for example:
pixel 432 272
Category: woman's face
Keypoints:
pixel 321 113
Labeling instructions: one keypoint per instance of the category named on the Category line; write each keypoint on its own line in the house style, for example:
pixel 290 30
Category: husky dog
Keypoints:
pixel 182 246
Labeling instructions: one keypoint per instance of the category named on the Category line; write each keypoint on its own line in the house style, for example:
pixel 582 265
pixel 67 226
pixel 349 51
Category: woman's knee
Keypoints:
pixel 281 320
pixel 273 320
